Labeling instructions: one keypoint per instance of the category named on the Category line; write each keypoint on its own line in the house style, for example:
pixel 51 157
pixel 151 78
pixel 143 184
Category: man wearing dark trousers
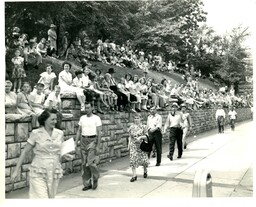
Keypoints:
pixel 173 122
pixel 154 126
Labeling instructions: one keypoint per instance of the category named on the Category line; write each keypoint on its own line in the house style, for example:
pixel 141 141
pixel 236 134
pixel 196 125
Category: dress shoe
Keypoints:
pixel 87 188
pixel 154 155
pixel 157 164
pixel 95 184
pixel 185 146
pixel 100 112
pixel 170 157
pixel 145 175
pixel 179 157
pixel 133 179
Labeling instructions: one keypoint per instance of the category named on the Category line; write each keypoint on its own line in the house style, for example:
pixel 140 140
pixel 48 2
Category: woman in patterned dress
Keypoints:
pixel 45 170
pixel 138 158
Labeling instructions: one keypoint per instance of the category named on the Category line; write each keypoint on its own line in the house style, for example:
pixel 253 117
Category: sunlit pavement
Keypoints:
pixel 227 157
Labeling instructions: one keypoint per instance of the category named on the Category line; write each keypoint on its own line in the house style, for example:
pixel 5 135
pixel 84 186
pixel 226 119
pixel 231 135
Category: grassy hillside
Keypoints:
pixel 33 74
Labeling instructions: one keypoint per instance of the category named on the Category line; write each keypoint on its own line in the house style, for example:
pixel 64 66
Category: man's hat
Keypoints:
pixel 183 105
pixel 53 25
pixel 174 104
pixel 111 70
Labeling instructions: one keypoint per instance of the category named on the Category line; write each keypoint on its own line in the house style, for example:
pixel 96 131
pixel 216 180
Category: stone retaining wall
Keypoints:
pixel 114 137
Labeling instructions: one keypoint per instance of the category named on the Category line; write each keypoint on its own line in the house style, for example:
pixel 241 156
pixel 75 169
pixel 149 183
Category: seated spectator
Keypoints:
pixel 163 97
pixel 24 106
pixel 47 79
pixel 31 55
pixel 65 83
pixel 122 99
pixel 143 90
pixel 71 53
pixel 112 97
pixel 152 95
pixel 42 47
pixel 53 101
pixel 37 99
pixel 134 91
pixel 10 99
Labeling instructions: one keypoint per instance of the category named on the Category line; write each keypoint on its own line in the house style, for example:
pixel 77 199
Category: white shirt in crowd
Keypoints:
pixel 154 121
pixel 220 112
pixel 173 121
pixel 64 79
pixel 89 124
pixel 46 79
pixel 55 100
pixel 232 114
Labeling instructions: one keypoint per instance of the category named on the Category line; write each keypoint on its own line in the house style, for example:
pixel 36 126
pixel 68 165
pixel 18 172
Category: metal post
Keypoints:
pixel 202 186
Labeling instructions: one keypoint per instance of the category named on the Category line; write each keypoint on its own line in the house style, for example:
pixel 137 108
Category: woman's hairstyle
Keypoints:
pixel 162 81
pixel 45 115
pixel 49 65
pixel 128 75
pixel 66 62
pixel 8 82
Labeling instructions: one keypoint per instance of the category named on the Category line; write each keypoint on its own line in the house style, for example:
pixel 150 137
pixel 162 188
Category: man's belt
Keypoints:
pixel 92 136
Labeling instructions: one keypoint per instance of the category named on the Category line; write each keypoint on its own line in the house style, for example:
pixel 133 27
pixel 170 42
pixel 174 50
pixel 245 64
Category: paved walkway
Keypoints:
pixel 227 157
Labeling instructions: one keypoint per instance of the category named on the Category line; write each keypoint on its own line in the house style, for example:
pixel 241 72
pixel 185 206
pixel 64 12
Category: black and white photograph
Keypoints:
pixel 131 101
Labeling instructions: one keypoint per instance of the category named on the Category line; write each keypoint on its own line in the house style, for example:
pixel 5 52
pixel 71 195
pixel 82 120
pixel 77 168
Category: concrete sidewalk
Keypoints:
pixel 228 158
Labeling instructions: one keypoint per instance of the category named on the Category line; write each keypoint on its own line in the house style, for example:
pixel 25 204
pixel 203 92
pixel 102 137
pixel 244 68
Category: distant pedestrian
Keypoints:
pixel 154 127
pixel 173 122
pixel 220 118
pixel 232 117
pixel 89 135
pixel 186 125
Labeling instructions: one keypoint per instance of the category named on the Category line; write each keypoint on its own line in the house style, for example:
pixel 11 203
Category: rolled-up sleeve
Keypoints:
pixel 32 138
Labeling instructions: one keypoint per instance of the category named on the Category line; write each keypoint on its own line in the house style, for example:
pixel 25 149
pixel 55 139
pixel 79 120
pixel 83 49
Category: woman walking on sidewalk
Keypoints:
pixel 137 132
pixel 45 170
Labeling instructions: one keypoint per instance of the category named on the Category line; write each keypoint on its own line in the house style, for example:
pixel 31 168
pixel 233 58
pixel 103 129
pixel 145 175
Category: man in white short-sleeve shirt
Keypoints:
pixel 89 135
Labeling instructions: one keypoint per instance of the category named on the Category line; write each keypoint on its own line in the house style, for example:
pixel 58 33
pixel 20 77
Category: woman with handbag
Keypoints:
pixel 137 133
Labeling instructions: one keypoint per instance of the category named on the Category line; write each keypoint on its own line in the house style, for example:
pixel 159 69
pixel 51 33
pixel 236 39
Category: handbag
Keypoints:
pixel 146 146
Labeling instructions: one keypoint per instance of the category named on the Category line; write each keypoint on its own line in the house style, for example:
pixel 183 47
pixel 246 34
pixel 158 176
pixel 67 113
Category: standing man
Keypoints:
pixel 52 38
pixel 173 122
pixel 232 117
pixel 220 117
pixel 154 126
pixel 89 135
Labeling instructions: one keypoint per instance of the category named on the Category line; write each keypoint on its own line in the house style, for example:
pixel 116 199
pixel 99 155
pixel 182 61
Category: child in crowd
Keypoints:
pixel 37 99
pixel 53 101
pixel 47 79
pixel 18 73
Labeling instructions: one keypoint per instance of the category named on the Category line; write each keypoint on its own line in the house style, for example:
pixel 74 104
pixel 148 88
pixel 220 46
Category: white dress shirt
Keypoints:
pixel 154 122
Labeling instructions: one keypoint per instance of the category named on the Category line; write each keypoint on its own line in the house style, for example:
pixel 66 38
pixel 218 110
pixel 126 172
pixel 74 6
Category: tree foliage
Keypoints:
pixel 173 28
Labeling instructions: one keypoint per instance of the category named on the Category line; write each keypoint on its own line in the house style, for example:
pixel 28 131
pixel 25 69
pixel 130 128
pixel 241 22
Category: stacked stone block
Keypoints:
pixel 114 136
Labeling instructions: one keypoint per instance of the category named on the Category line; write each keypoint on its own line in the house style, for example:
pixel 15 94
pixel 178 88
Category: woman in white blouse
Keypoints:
pixel 65 83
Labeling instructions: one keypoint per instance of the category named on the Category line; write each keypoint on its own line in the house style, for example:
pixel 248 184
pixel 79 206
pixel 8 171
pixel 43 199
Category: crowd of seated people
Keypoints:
pixel 129 93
